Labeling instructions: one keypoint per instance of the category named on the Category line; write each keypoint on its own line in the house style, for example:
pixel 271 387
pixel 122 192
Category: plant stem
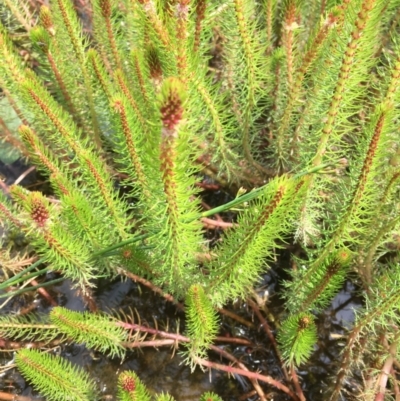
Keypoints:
pixel 35 287
pixel 253 375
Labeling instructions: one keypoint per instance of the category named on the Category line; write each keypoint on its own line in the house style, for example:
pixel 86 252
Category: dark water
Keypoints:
pixel 163 370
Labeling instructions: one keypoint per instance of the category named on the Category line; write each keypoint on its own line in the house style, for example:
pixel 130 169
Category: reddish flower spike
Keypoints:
pixel 128 384
pixel 39 212
pixel 172 103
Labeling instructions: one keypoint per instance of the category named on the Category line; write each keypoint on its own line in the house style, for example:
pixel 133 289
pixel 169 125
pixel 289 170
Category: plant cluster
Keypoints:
pixel 294 104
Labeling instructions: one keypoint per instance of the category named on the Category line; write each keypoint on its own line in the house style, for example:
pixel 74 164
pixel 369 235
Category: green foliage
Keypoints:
pixel 210 397
pixel 296 102
pixel 382 305
pixel 97 331
pixel 261 226
pixel 58 379
pixel 54 377
pixel 28 328
pixel 322 286
pixel 297 338
pixel 11 149
pixel 202 321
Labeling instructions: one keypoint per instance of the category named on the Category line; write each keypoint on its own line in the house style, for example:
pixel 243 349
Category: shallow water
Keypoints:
pixel 163 370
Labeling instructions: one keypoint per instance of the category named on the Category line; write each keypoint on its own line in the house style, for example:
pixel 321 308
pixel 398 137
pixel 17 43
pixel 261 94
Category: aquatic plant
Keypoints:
pixel 292 106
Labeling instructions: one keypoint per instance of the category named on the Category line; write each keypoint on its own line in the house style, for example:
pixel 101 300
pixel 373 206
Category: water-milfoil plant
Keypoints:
pixel 295 102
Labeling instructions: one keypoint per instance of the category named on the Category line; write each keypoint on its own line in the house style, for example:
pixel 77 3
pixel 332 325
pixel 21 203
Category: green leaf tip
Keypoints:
pixel 209 396
pixel 297 338
pixel 41 38
pixel 98 331
pixel 202 321
pixel 46 20
pixel 54 377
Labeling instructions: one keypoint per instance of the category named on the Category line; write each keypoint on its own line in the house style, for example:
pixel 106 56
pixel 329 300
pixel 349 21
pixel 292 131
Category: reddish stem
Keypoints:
pixel 154 288
pixel 179 338
pixel 13 397
pixel 385 372
pixel 236 317
pixel 153 343
pixel 271 337
pixel 234 340
pixel 206 206
pixel 43 292
pixel 296 384
pixel 179 305
pixel 210 223
pixel 150 330
pixel 230 357
pixel 265 326
pixel 210 187
pixel 251 375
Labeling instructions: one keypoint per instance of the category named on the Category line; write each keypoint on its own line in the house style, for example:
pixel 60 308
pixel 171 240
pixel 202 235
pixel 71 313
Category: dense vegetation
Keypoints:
pixel 291 106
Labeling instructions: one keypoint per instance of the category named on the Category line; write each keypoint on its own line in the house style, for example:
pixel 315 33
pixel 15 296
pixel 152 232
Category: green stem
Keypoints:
pixel 35 287
pixel 20 274
pixel 120 245
pixel 15 280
